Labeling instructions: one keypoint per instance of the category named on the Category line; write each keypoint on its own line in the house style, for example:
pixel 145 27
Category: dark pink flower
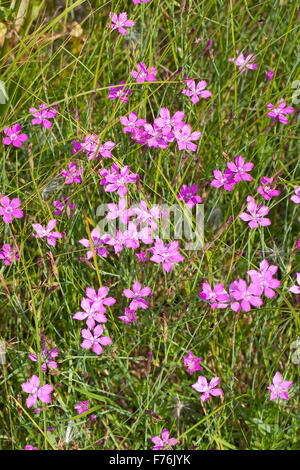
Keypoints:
pixel 129 316
pixel 82 407
pixel 256 214
pixel 9 254
pixel 9 209
pixel 270 75
pixel 166 254
pixel 185 138
pixel 42 115
pixel 117 181
pixel 98 242
pixel 218 297
pixel 120 22
pixel 131 123
pixel 90 313
pixel 36 392
pixel 188 194
pixel 240 169
pixel 279 110
pixel 73 175
pixel 143 73
pixel 28 447
pixel 167 123
pixel 243 63
pixel 296 197
pixel 142 256
pixel 206 389
pixel 164 441
pixel 192 362
pixel 93 339
pixel 119 92
pixel 267 188
pixel 136 294
pixel 279 387
pixel 42 232
pixel 196 90
pixel 227 180
pixel 13 136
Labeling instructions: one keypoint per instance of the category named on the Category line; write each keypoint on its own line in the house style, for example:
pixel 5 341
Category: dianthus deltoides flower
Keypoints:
pixel 42 115
pixel 256 214
pixel 188 194
pixel 42 232
pixel 195 91
pixel 136 294
pixel 166 254
pixel 119 92
pixel 36 392
pixel 296 289
pixel 13 136
pixel 206 389
pixel 279 387
pixel 266 189
pixel 240 169
pixel 243 62
pixel 46 357
pixel 120 22
pixel 82 407
pixel 264 280
pixel 296 197
pixel 9 209
pixel 143 73
pixel 93 339
pixel 164 441
pixel 9 254
pixel 192 362
pixel 279 110
pixel 73 175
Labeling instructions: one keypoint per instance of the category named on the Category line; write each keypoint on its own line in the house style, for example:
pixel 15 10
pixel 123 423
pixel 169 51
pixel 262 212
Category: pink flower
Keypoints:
pixel 98 242
pixel 119 211
pixel 247 296
pixel 256 214
pixel 119 92
pixel 10 209
pixel 142 256
pixel 129 316
pixel 270 75
pixel 120 22
pixel 267 189
pixel 206 389
pixel 192 362
pixel 196 90
pixel 156 138
pixel 147 216
pixel 240 169
pixel 264 278
pixel 46 357
pixel 28 447
pixel 73 175
pixel 82 407
pixel 117 181
pixel 167 123
pixel 131 123
pixel 61 206
pixel 296 289
pixel 13 136
pixel 136 294
pixel 100 299
pixel 296 197
pixel 42 232
pixel 43 115
pixel 227 180
pixel 143 73
pixel 9 254
pixel 243 63
pixel 168 255
pixel 36 392
pixel 279 111
pixel 91 313
pixel 164 441
pixel 185 138
pixel 188 194
pixel 137 2
pixel 279 388
pixel 218 297
pixel 94 339
pixel 92 146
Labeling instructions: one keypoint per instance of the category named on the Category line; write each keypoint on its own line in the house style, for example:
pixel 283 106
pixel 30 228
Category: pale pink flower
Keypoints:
pixel 136 294
pixel 143 73
pixel 98 242
pixel 167 123
pixel 90 313
pixel 131 123
pixel 185 138
pixel 9 254
pixel 166 254
pixel 264 278
pixel 256 214
pixel 243 63
pixel 296 197
pixel 36 392
pixel 129 316
pixel 94 339
pixel 42 232
pixel 296 289
pixel 245 296
pixel 240 169
pixel 42 115
pixel 218 297
pixel 9 209
pixel 279 110
pixel 196 90
pixel 279 387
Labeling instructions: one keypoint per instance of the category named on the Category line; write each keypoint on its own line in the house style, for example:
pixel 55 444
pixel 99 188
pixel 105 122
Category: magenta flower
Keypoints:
pixel 98 242
pixel 156 137
pixel 136 294
pixel 90 313
pixel 42 232
pixel 119 211
pixel 42 115
pixel 28 447
pixel 10 209
pixel 185 138
pixel 61 206
pixel 36 392
pixel 129 316
pixel 279 387
pixel 218 297
pixel 256 214
pixel 296 197
pixel 270 75
pixel 267 188
pixel 142 256
pixel 240 169
pixel 243 63
pixel 192 362
pixel 137 2
pixel 227 180
pixel 279 111
pixel 206 389
pixel 246 296
pixel 120 22
pixel 9 254
pixel 73 175
pixel 13 136
pixel 164 441
pixel 296 289
pixel 131 123
pixel 99 299
pixel 264 278
pixel 143 74
pixel 119 92
pixel 93 147
pixel 196 90
pixel 168 255
pixel 167 123
pixel 146 216
pixel 46 357
pixel 117 181
pixel 94 339
pixel 188 194
pixel 82 407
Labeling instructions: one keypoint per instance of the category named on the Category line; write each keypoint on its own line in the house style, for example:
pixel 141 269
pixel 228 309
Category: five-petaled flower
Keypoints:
pixel 192 362
pixel 164 441
pixel 94 339
pixel 143 73
pixel 42 232
pixel 13 136
pixel 36 392
pixel 279 110
pixel 206 389
pixel 256 214
pixel 196 90
pixel 42 115
pixel 279 387
pixel 136 294
pixel 120 22
pixel 243 62
pixel 9 209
